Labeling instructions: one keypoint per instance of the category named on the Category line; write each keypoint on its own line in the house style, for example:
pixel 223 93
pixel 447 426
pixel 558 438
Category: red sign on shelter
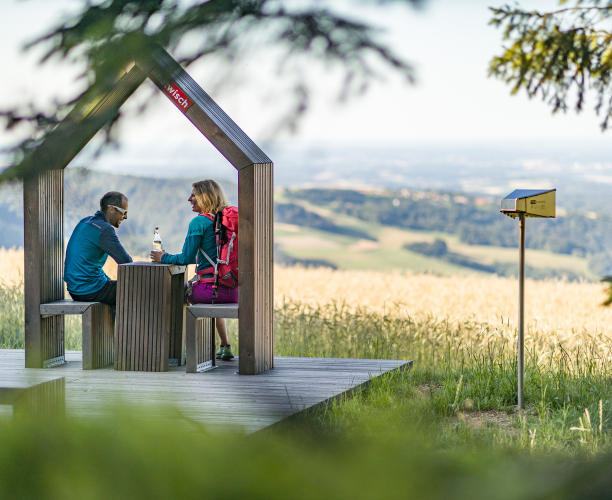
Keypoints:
pixel 177 96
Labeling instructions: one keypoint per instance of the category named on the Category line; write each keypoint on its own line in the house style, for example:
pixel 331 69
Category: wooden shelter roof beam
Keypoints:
pixel 202 111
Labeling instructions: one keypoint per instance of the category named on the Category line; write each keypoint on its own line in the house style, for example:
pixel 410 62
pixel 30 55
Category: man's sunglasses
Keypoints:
pixel 122 210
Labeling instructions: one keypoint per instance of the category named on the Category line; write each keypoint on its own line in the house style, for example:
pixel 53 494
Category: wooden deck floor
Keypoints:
pixel 217 397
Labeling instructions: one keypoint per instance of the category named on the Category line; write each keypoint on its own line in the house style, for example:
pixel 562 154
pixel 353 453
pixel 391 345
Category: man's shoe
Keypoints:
pixel 227 353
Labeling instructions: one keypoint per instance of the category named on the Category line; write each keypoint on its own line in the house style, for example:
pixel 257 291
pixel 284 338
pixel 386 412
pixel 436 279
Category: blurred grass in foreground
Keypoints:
pixel 126 457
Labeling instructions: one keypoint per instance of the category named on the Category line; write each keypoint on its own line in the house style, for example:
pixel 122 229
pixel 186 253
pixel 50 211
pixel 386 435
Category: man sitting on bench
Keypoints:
pixel 92 241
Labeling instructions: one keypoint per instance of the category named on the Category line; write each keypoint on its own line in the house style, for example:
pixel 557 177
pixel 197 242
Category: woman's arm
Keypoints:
pixel 190 247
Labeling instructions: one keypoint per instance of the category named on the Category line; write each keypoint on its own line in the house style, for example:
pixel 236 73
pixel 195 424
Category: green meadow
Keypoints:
pixel 387 254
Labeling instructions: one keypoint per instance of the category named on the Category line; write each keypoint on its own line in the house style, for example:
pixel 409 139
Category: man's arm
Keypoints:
pixel 111 245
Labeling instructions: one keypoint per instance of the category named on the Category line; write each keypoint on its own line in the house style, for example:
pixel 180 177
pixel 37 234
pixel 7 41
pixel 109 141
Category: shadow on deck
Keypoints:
pixel 217 397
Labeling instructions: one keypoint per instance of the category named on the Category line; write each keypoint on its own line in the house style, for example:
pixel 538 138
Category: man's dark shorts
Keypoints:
pixel 107 294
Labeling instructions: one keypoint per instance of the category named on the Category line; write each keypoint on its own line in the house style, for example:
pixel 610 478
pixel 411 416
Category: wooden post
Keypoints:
pixel 43 200
pixel 256 270
pixel 43 401
pixel 200 343
pixel 43 196
pixel 176 351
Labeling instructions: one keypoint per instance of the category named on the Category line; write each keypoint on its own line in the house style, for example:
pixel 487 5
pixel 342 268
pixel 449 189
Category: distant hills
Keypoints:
pixel 475 220
pixel 439 249
pixel 153 202
pixel 338 227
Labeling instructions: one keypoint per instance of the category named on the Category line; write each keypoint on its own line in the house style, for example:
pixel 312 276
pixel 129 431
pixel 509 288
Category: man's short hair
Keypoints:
pixel 111 198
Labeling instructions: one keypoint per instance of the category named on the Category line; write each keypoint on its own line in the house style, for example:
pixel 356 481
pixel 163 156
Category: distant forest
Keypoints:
pixel 475 220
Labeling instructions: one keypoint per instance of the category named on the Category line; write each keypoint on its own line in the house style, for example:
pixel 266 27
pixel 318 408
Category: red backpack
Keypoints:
pixel 225 270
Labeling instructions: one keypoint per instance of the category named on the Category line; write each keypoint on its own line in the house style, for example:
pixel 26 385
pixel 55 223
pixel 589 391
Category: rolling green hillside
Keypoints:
pixel 583 239
pixel 388 253
pixel 348 229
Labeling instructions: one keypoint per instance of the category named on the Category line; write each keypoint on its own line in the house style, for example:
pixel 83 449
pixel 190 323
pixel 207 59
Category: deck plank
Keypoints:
pixel 217 397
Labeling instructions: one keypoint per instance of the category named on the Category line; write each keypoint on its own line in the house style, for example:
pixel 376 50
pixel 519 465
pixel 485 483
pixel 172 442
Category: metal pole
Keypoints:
pixel 521 321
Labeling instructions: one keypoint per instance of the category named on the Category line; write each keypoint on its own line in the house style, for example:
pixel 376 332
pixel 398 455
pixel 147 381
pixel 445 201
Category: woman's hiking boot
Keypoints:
pixel 225 353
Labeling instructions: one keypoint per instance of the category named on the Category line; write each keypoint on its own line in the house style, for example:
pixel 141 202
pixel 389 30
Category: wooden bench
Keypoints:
pixel 200 335
pixel 32 399
pixel 98 331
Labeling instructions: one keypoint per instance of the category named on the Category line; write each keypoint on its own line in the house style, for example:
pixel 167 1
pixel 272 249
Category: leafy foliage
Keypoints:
pixel 436 249
pixel 107 36
pixel 558 55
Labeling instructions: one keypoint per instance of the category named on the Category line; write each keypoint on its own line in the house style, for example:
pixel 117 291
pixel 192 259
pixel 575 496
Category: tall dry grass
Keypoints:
pixel 11 265
pixel 558 311
pixel 565 311
pixel 320 310
pixel 461 334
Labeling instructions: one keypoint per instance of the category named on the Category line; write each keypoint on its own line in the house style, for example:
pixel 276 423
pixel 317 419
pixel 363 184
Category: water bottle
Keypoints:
pixel 157 242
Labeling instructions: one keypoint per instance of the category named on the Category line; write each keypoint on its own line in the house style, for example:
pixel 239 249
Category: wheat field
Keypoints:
pixel 551 305
pixel 11 265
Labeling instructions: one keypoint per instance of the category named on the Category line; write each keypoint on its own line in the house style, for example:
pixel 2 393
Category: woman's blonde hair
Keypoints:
pixel 210 196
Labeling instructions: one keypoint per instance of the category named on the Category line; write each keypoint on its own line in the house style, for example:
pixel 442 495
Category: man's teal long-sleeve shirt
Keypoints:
pixel 92 241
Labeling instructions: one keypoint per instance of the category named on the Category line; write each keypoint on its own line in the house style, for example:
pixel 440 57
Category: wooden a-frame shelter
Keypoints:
pixel 44 208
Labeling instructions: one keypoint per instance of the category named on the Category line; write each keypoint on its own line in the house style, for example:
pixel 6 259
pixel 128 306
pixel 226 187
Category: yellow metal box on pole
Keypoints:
pixel 531 202
pixel 524 203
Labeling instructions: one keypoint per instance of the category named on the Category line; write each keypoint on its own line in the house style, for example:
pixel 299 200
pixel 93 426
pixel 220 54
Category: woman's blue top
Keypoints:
pixel 201 234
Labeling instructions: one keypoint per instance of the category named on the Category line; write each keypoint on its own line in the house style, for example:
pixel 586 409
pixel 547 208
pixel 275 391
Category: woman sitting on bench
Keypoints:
pixel 207 199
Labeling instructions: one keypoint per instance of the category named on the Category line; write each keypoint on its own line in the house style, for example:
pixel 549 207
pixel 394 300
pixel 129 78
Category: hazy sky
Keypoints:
pixel 449 43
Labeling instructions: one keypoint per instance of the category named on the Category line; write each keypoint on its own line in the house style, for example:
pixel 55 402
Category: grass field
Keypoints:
pixel 448 428
pixel 566 311
pixel 460 395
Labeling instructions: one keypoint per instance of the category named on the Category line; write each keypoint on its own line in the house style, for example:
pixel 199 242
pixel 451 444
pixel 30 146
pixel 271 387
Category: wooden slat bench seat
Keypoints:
pixel 35 399
pixel 200 335
pixel 98 330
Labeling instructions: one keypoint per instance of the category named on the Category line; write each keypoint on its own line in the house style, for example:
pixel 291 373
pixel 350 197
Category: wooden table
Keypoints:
pixel 150 332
